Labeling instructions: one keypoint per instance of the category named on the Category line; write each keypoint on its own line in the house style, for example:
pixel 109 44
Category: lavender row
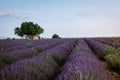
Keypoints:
pixel 61 52
pixel 107 53
pixel 20 50
pixel 82 64
pixel 30 69
pixel 81 46
pixel 41 67
pixel 45 41
pixel 10 57
pixel 17 44
pixel 12 48
pixel 100 49
pixel 115 42
pixel 9 43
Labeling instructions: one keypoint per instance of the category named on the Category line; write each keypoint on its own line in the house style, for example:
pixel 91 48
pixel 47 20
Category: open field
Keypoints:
pixel 60 59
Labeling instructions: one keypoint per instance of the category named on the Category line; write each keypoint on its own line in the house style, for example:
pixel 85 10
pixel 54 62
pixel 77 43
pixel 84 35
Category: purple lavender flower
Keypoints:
pixel 82 64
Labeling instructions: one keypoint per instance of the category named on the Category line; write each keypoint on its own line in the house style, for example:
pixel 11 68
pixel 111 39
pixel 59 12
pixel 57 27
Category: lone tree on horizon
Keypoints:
pixel 55 36
pixel 29 30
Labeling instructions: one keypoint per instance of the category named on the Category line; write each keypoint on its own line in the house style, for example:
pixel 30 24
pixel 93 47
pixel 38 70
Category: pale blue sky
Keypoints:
pixel 68 18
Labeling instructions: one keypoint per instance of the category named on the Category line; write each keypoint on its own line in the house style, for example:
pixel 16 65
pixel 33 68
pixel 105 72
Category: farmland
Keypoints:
pixel 60 59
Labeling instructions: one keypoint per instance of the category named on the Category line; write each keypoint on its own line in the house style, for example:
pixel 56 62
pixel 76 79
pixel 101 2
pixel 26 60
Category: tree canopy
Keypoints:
pixel 28 29
pixel 55 36
pixel 18 32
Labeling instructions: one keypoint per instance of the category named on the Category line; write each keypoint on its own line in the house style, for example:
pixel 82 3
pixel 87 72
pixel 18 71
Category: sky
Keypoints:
pixel 67 18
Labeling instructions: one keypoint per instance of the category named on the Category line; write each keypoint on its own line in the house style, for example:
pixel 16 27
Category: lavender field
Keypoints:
pixel 60 59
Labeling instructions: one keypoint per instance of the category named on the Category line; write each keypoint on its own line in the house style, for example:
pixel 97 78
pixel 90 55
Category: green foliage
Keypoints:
pixel 114 64
pixel 28 28
pixel 33 66
pixel 38 50
pixel 8 38
pixel 55 36
pixel 1 65
pixel 13 38
pixel 6 59
pixel 59 61
pixel 112 57
pixel 29 46
pixel 107 52
pixel 18 32
pixel 113 60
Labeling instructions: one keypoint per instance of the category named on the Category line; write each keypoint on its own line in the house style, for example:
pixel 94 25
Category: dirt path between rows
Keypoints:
pixel 114 74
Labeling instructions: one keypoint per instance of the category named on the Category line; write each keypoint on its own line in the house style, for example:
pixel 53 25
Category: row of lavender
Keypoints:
pixel 107 53
pixel 82 64
pixel 115 42
pixel 41 67
pixel 11 45
pixel 18 54
pixel 8 43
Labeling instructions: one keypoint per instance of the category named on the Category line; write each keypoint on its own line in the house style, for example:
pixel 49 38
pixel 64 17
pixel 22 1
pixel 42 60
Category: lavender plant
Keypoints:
pixel 83 65
pixel 100 49
pixel 40 67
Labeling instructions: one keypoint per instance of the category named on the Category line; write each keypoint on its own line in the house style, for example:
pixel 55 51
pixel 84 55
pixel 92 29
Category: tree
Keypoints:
pixel 55 36
pixel 29 29
pixel 18 32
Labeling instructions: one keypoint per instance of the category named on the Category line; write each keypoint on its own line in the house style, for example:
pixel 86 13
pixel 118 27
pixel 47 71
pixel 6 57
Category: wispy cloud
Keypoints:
pixel 82 14
pixel 17 14
pixel 99 14
pixel 86 14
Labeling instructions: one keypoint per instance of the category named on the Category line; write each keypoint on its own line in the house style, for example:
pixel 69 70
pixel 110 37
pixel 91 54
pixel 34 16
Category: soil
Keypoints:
pixel 115 75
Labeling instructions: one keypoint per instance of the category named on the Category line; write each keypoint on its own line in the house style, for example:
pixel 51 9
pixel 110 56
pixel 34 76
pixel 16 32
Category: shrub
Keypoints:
pixel 38 50
pixel 59 61
pixel 113 60
pixel 55 36
pixel 8 38
pixel 1 65
pixel 6 59
pixel 107 52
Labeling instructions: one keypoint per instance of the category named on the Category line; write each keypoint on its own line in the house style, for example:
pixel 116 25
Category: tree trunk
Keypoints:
pixel 33 37
pixel 30 37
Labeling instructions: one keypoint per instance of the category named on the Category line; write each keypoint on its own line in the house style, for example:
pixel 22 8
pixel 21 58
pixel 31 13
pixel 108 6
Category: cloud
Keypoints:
pixel 17 14
pixel 102 14
pixel 82 14
pixel 89 15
